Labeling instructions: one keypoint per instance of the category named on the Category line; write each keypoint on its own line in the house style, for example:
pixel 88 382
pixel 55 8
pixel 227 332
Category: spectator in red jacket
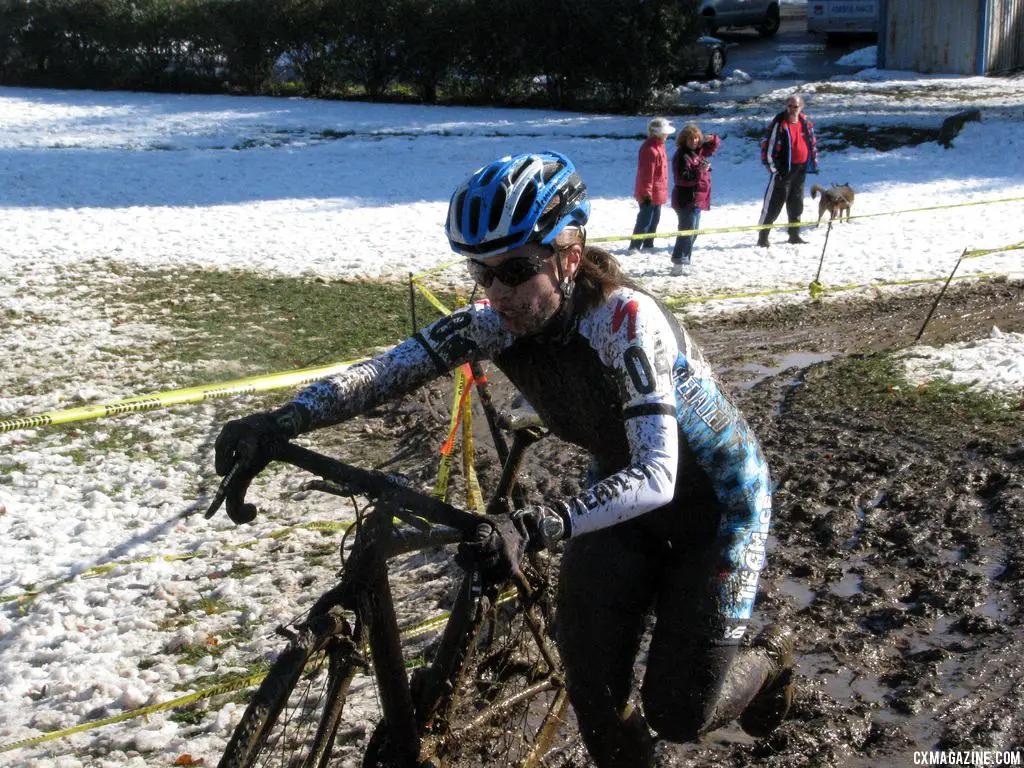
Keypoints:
pixel 691 192
pixel 651 191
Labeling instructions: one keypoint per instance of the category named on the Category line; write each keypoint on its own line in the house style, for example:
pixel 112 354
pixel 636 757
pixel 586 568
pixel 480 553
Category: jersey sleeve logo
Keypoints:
pixel 625 310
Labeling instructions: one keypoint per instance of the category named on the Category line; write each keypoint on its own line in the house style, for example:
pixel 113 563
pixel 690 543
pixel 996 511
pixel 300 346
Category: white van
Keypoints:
pixel 833 17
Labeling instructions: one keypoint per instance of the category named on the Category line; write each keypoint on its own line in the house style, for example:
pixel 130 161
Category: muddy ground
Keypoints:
pixel 898 536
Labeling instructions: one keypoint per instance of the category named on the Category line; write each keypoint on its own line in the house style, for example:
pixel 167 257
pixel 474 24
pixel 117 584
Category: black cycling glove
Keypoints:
pixel 249 444
pixel 496 548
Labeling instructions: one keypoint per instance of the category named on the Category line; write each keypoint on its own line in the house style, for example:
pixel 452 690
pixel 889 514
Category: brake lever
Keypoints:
pixel 246 514
pixel 222 491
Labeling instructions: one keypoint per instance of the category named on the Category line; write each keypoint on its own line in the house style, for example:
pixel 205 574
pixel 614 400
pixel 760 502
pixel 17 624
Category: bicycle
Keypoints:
pixel 492 693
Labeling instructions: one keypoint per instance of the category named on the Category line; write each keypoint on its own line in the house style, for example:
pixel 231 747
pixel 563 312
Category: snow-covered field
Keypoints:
pixel 93 180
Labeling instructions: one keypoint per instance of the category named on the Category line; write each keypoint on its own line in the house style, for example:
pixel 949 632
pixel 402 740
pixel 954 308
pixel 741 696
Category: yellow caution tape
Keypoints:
pixel 310 375
pixel 101 570
pixel 462 385
pixel 779 225
pixel 672 301
pixel 431 297
pixel 975 254
pixel 177 397
pixel 435 623
pixel 226 687
pixel 438 268
pixel 474 495
pixel 817 289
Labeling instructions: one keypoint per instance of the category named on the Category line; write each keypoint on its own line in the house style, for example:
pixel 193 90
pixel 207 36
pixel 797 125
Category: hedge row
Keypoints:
pixel 564 53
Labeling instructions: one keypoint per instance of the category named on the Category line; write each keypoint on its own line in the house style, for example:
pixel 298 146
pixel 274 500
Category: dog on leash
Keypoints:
pixel 835 200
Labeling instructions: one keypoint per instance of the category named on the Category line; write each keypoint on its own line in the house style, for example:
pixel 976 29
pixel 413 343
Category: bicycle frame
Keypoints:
pixel 414 710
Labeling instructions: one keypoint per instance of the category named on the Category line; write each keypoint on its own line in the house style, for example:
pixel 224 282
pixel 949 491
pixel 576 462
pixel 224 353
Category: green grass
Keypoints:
pixel 8 468
pixel 193 653
pixel 877 383
pixel 209 606
pixel 914 91
pixel 880 137
pixel 318 554
pixel 883 138
pixel 271 323
pixel 257 667
pixel 188 715
pixel 102 439
pixel 240 571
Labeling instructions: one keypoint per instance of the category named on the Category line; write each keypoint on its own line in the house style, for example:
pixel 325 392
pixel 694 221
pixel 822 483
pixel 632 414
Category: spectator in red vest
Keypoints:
pixel 789 152
pixel 651 190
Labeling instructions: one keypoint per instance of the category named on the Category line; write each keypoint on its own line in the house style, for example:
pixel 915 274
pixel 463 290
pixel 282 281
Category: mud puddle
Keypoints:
pixel 751 374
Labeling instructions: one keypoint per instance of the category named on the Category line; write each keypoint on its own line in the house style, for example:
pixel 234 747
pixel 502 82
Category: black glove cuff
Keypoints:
pixel 292 419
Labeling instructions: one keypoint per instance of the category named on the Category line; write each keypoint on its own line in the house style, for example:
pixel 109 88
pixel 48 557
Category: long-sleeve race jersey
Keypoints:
pixel 624 381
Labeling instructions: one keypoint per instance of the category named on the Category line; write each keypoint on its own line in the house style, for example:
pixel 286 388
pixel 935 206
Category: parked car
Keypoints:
pixel 763 15
pixel 705 57
pixel 840 17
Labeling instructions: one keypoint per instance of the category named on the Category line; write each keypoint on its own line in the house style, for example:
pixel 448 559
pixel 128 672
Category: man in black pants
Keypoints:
pixel 789 152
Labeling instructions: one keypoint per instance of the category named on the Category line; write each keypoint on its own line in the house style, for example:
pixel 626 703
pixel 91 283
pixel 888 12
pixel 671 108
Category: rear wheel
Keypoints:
pixel 293 717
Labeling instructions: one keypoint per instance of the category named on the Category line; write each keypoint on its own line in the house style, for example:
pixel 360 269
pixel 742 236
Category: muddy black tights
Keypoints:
pixel 611 580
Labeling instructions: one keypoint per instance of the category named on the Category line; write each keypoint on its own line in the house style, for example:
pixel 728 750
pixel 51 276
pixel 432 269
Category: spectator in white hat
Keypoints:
pixel 651 191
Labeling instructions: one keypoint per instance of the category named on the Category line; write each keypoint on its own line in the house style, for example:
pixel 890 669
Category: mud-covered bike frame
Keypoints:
pixel 462 694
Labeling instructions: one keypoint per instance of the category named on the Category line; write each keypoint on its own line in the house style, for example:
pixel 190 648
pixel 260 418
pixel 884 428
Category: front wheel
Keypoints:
pixel 509 707
pixel 293 717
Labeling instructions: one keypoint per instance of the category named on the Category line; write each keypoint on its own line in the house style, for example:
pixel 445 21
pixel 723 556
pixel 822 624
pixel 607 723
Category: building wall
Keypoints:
pixel 933 35
pixel 1004 36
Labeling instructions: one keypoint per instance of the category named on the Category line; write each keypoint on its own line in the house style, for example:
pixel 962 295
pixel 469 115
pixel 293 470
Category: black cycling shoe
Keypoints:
pixel 797 240
pixel 769 707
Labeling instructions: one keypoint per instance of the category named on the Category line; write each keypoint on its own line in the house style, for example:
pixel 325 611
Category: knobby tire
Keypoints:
pixel 504 707
pixel 319 672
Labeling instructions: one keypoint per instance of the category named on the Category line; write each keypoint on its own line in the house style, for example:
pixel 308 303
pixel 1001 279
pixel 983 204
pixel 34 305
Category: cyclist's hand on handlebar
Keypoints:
pixel 496 547
pixel 243 449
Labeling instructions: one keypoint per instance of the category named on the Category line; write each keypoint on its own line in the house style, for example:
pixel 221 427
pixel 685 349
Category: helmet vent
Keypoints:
pixel 550 169
pixel 474 217
pixel 514 177
pixel 460 207
pixel 489 174
pixel 497 208
pixel 525 204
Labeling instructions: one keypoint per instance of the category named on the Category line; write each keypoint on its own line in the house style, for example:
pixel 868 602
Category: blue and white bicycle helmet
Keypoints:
pixel 516 200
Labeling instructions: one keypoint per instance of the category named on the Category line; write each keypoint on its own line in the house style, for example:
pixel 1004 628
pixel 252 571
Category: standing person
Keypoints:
pixel 651 188
pixel 789 152
pixel 691 191
pixel 675 519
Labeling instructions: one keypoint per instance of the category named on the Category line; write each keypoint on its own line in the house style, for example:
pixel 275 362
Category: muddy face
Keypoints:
pixel 525 305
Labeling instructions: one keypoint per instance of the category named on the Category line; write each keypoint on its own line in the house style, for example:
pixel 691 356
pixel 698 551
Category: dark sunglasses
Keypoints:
pixel 511 272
